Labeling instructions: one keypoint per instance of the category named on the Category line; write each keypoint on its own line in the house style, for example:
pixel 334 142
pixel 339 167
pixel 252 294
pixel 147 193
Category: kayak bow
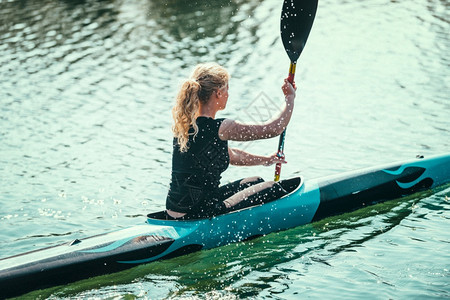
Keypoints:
pixel 307 201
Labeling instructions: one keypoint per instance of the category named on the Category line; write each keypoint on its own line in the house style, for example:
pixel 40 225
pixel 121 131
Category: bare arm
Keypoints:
pixel 235 131
pixel 242 158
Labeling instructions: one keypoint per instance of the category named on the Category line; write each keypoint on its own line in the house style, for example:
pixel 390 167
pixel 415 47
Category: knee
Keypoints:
pixel 252 180
pixel 269 184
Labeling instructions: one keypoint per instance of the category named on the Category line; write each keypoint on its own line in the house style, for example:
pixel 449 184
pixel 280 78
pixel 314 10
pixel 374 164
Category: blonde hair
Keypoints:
pixel 204 80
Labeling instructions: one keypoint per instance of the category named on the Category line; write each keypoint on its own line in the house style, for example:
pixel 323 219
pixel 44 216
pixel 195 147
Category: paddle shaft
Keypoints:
pixel 280 152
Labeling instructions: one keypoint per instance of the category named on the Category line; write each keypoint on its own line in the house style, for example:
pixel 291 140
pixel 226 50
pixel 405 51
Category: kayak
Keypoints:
pixel 306 201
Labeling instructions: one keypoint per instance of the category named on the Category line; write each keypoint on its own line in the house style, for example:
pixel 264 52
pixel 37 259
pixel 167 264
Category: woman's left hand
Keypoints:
pixel 273 159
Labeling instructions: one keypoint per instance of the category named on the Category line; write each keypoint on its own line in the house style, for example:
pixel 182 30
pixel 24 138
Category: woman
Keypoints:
pixel 201 152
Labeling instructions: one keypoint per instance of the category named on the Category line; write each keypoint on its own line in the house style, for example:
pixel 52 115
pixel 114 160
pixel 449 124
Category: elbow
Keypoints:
pixel 276 131
pixel 273 131
pixel 280 130
pixel 282 122
pixel 281 126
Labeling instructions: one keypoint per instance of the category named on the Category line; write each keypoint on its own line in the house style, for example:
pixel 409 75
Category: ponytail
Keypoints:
pixel 185 112
pixel 205 79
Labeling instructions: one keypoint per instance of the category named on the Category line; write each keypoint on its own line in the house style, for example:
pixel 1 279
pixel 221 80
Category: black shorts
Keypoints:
pixel 215 205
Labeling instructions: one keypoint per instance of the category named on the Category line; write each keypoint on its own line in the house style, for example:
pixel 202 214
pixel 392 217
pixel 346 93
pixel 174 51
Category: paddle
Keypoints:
pixel 297 17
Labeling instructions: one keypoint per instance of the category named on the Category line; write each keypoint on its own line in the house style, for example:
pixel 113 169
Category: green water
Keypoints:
pixel 85 140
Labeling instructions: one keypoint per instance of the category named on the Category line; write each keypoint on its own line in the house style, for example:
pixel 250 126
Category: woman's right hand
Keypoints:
pixel 288 89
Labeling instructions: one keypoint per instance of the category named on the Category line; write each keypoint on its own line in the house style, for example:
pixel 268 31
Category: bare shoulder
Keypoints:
pixel 225 127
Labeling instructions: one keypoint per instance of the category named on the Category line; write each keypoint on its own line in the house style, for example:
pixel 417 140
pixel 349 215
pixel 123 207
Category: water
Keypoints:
pixel 85 147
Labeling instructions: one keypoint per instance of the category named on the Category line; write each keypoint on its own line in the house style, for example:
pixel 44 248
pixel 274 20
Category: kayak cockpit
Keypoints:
pixel 288 185
pixel 292 184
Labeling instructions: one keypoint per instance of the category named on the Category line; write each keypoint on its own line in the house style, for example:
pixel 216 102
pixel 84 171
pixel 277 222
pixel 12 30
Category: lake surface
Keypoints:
pixel 85 137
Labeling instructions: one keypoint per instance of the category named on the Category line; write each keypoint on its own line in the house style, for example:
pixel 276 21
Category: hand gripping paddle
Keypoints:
pixel 297 17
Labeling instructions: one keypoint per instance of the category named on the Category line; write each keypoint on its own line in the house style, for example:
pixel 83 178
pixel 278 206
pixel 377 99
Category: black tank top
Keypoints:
pixel 196 173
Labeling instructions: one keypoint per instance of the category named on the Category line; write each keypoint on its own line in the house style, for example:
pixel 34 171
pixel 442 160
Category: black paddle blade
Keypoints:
pixel 297 17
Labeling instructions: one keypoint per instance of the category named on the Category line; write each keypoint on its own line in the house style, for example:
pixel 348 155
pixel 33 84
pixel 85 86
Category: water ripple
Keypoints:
pixel 87 89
